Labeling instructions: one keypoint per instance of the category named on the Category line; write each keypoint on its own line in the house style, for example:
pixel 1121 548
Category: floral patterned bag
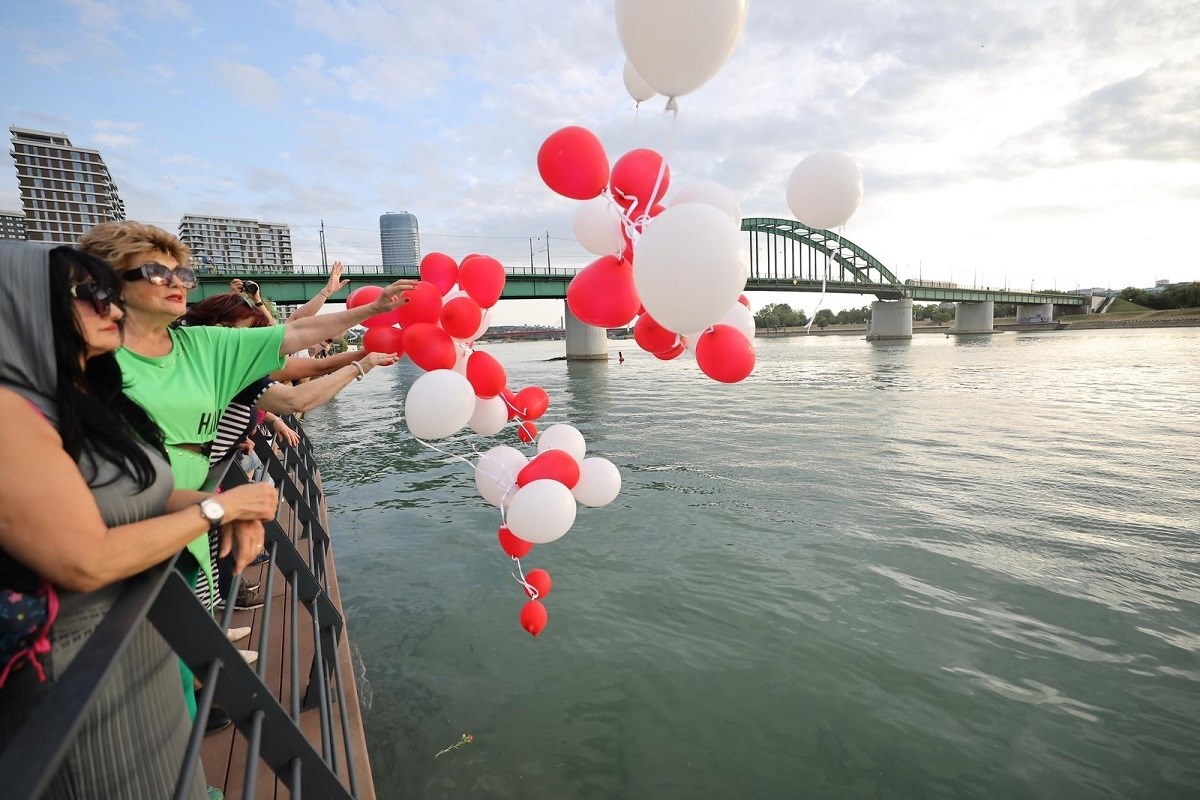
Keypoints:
pixel 25 621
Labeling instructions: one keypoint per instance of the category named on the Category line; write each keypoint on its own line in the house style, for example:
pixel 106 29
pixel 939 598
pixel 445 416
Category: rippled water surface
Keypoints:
pixel 950 568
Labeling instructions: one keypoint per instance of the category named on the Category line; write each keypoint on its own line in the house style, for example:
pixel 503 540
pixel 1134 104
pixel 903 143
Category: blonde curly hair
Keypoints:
pixel 119 243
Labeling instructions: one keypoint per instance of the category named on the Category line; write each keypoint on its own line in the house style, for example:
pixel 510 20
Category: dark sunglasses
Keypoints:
pixel 100 299
pixel 160 275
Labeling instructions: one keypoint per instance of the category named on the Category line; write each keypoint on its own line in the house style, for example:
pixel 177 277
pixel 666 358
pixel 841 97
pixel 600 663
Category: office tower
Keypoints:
pixel 399 240
pixel 12 225
pixel 65 190
pixel 232 241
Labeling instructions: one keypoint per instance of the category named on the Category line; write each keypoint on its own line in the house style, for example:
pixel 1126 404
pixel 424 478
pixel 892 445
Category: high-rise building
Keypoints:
pixel 232 241
pixel 65 190
pixel 12 225
pixel 400 240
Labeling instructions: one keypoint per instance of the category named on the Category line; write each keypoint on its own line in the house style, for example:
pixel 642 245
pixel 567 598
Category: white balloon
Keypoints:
pixel 598 226
pixel 636 85
pixel 496 473
pixel 677 45
pixel 599 482
pixel 460 362
pixel 689 341
pixel 490 416
pixel 439 404
pixel 740 317
pixel 710 193
pixel 541 511
pixel 563 437
pixel 689 266
pixel 825 189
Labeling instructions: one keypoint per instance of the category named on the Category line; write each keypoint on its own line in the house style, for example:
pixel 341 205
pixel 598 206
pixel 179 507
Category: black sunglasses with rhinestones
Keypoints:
pixel 160 275
pixel 100 299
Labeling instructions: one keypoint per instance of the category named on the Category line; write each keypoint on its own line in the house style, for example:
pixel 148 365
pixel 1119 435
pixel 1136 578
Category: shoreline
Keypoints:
pixel 1002 327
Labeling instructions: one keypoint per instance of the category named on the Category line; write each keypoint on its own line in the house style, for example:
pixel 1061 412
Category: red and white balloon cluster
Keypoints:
pixel 678 267
pixel 464 386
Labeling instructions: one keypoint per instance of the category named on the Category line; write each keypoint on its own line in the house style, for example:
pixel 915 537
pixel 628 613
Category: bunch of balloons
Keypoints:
pixel 538 499
pixel 677 264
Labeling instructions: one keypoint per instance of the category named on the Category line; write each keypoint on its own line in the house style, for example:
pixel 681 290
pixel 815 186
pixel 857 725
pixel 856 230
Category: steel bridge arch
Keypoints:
pixel 867 271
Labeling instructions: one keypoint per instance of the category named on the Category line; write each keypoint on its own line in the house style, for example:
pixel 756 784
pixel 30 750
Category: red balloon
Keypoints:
pixel 602 293
pixel 424 305
pixel 573 163
pixel 461 317
pixel 430 347
pixel 633 178
pixel 482 277
pixel 364 296
pixel 384 339
pixel 441 270
pixel 534 617
pixel 539 579
pixel 486 374
pixel 555 465
pixel 513 544
pixel 527 432
pixel 672 354
pixel 744 300
pixel 724 354
pixel 510 402
pixel 652 337
pixel 531 402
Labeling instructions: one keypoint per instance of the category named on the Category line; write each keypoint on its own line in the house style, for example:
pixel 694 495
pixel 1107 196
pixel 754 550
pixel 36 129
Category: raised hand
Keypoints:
pixel 335 282
pixel 393 296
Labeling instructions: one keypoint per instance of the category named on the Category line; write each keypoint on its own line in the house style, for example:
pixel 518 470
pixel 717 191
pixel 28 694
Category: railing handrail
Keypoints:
pixel 161 597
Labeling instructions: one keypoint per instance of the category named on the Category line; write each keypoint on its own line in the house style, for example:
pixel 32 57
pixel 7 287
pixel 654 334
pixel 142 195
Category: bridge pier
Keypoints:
pixel 890 320
pixel 1035 313
pixel 973 317
pixel 584 342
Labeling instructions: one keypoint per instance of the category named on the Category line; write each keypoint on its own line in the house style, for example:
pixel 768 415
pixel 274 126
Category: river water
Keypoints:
pixel 945 568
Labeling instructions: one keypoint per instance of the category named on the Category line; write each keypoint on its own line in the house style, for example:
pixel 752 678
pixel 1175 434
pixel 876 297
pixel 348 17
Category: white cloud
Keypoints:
pixel 115 140
pixel 253 86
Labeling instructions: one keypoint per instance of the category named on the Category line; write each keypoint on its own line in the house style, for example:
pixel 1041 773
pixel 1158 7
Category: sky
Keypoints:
pixel 1002 142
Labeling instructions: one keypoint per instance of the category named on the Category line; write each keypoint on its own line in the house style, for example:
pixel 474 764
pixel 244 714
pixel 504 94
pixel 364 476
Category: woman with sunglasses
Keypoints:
pixel 185 377
pixel 102 509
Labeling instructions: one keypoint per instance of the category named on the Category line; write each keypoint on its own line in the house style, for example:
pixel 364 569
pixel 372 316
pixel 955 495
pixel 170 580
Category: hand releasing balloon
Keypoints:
pixel 424 305
pixel 825 189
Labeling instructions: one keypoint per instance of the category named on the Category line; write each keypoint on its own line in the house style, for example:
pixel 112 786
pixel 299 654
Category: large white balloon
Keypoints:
pixel 710 193
pixel 562 436
pixel 599 482
pixel 490 416
pixel 689 266
pixel 439 404
pixel 636 85
pixel 496 473
pixel 598 226
pixel 541 511
pixel 825 189
pixel 677 45
pixel 741 318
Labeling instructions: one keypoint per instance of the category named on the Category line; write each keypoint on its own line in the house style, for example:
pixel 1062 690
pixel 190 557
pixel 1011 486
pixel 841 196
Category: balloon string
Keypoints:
pixel 445 452
pixel 821 299
pixel 530 589
pixel 630 217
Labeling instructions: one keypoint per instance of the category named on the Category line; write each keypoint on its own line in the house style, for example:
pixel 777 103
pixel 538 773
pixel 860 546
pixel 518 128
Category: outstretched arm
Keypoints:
pixel 284 398
pixel 306 332
pixel 332 287
pixel 297 368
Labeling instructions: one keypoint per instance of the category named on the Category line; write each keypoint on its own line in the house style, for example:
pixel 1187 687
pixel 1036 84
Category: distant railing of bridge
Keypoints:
pixel 308 271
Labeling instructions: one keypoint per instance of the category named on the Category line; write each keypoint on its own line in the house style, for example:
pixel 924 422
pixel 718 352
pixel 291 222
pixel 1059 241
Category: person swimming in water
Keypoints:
pixel 620 357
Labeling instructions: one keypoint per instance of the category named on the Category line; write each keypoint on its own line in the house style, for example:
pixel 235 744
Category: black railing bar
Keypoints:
pixel 294 609
pixel 294 783
pixel 322 693
pixel 264 630
pixel 252 748
pixel 345 720
pixel 33 755
pixel 197 640
pixel 230 602
pixel 196 737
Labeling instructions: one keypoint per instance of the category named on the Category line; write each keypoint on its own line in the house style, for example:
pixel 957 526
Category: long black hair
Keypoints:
pixel 93 411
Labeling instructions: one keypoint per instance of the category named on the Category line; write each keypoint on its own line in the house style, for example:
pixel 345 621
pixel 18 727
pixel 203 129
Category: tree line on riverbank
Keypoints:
pixel 782 315
pixel 1179 295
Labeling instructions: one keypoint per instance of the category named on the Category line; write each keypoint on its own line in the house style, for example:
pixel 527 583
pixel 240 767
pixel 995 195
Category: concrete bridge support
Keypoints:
pixel 1033 314
pixel 584 342
pixel 973 317
pixel 890 320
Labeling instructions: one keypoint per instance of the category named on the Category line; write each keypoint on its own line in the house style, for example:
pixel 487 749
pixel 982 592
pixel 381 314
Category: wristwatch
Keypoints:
pixel 212 511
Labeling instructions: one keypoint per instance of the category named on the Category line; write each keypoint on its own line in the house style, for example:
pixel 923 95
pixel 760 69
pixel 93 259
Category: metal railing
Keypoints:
pixel 316 270
pixel 161 597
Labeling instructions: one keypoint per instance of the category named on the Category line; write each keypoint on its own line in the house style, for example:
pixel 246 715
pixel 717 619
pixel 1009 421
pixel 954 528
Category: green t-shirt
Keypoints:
pixel 185 391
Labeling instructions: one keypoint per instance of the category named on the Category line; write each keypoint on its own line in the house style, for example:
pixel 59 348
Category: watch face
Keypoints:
pixel 213 511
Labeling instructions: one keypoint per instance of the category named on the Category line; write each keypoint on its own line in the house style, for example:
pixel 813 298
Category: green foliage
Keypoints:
pixel 779 315
pixel 1179 295
pixel 933 312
